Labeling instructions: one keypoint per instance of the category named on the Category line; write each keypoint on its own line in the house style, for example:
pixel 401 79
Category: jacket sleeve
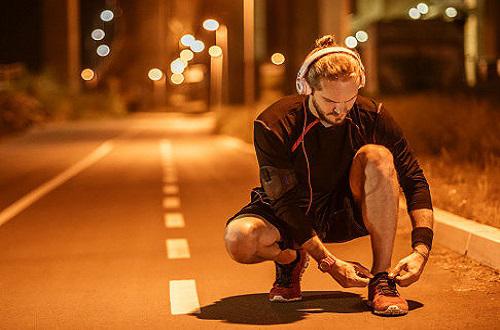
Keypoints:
pixel 410 174
pixel 271 151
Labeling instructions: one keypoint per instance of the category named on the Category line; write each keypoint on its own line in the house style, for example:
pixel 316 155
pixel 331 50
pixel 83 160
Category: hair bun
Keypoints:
pixel 325 41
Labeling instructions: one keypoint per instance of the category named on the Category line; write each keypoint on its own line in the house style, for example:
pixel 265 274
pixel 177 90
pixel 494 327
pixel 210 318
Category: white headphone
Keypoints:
pixel 301 82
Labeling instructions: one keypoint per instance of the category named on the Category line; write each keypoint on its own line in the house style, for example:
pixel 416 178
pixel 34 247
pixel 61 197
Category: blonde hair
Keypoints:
pixel 332 66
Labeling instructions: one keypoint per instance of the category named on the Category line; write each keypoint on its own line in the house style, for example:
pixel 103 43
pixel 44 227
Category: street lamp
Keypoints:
pixel 218 60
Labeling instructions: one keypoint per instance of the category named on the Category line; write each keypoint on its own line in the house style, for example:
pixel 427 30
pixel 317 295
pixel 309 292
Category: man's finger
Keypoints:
pixel 395 271
pixel 405 282
pixel 404 277
pixel 360 270
pixel 362 281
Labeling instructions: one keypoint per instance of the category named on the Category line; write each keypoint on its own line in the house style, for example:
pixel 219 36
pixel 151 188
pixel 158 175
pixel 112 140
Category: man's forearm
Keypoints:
pixel 316 248
pixel 422 218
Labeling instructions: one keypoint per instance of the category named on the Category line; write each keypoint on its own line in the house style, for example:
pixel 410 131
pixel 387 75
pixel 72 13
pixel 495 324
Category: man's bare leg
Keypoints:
pixel 252 240
pixel 374 184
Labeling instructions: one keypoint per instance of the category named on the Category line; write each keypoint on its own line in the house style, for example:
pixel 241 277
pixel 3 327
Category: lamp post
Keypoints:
pixel 248 54
pixel 218 62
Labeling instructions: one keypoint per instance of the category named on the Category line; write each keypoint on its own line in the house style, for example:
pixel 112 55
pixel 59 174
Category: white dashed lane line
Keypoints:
pixel 174 220
pixel 183 294
pixel 170 189
pixel 169 178
pixel 183 297
pixel 178 248
pixel 171 202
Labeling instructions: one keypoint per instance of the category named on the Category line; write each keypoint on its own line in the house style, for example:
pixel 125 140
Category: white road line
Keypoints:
pixel 183 297
pixel 169 179
pixel 30 198
pixel 170 171
pixel 170 189
pixel 174 220
pixel 168 166
pixel 178 248
pixel 171 202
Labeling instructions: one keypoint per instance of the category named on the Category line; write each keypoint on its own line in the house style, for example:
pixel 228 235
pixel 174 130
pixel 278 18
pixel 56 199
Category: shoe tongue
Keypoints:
pixel 379 276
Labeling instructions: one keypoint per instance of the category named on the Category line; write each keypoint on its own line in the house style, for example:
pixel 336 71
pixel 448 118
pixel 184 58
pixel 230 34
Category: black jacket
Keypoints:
pixel 330 151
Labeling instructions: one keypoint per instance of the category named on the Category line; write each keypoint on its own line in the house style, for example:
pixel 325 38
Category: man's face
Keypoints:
pixel 335 99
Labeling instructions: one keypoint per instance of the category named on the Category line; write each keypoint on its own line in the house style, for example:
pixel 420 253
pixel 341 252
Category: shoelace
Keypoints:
pixel 284 274
pixel 388 287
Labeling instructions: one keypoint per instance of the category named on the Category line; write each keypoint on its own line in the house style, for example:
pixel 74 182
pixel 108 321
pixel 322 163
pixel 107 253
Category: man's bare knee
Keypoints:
pixel 378 161
pixel 241 240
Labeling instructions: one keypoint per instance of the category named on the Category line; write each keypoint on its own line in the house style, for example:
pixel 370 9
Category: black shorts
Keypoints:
pixel 337 218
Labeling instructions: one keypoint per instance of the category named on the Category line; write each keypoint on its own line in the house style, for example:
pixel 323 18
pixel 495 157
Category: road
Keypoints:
pixel 118 224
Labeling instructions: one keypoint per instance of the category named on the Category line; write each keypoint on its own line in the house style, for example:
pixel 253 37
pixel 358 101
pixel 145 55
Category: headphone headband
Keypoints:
pixel 301 83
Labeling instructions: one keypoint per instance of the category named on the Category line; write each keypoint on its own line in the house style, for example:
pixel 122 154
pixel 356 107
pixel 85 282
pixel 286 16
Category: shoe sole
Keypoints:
pixel 281 299
pixel 392 310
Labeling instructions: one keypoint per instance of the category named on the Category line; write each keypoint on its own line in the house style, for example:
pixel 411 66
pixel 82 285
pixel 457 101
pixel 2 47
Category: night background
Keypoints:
pixel 113 112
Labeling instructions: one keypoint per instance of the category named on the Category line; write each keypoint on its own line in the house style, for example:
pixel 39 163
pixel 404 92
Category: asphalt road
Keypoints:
pixel 118 224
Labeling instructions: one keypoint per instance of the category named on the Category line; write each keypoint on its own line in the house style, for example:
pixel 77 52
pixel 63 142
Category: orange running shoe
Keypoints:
pixel 286 288
pixel 383 296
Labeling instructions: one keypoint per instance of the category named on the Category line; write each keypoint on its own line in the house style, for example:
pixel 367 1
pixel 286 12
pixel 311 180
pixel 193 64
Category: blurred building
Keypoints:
pixel 410 45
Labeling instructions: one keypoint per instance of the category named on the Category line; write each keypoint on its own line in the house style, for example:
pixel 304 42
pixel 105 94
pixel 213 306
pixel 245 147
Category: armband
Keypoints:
pixel 422 235
pixel 276 182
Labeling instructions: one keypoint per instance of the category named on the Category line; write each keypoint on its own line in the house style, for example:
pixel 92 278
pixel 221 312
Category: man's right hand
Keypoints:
pixel 350 274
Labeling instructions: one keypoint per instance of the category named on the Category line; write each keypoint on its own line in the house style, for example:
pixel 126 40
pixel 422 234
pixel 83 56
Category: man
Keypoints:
pixel 330 161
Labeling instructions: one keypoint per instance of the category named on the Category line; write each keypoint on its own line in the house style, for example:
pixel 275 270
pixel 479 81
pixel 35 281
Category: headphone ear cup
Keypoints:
pixel 303 87
pixel 363 80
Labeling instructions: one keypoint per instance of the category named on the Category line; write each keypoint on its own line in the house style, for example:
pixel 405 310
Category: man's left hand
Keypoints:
pixel 409 269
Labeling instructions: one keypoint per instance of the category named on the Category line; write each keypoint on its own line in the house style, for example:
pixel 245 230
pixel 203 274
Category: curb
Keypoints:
pixel 477 241
pixel 467 237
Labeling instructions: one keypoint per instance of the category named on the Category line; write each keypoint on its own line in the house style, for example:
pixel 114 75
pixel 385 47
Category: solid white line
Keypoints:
pixel 178 248
pixel 171 202
pixel 183 297
pixel 30 198
pixel 170 189
pixel 174 220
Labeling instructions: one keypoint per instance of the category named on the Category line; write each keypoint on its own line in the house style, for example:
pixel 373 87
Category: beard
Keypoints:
pixel 336 122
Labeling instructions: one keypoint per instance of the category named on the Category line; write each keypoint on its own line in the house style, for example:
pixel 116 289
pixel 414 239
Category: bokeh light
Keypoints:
pixel 98 34
pixel 423 8
pixel 186 55
pixel 278 58
pixel 187 40
pixel 87 74
pixel 177 78
pixel 451 12
pixel 210 24
pixel 362 36
pixel 103 50
pixel 197 46
pixel 215 51
pixel 107 15
pixel 177 66
pixel 414 13
pixel 351 42
pixel 155 74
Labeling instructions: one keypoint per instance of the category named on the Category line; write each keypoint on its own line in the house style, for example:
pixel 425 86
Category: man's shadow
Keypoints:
pixel 256 309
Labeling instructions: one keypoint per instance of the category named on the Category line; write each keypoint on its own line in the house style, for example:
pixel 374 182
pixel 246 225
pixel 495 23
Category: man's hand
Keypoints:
pixel 350 274
pixel 409 269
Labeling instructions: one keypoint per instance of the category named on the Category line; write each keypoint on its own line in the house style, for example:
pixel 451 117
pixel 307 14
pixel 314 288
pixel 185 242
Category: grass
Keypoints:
pixel 32 100
pixel 455 138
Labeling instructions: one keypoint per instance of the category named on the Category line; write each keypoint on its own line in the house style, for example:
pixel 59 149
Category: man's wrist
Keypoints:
pixel 326 264
pixel 422 249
